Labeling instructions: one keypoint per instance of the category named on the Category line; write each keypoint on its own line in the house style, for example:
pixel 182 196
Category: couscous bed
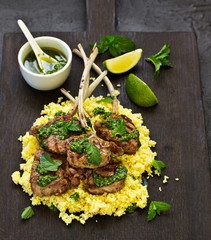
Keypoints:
pixel 88 204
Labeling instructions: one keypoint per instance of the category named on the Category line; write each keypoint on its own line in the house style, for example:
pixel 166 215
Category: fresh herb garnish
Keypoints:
pixel 79 145
pixel 41 170
pixel 132 208
pixel 75 196
pixel 47 164
pixel 93 154
pixel 120 174
pixel 60 113
pixel 115 44
pixel 101 111
pixel 107 99
pixel 27 213
pixel 155 208
pixel 158 165
pixel 117 125
pixel 160 59
pixel 84 146
pixel 127 137
pixel 43 181
pixel 61 128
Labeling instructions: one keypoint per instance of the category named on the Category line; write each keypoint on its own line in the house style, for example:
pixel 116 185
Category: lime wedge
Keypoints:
pixel 124 62
pixel 139 92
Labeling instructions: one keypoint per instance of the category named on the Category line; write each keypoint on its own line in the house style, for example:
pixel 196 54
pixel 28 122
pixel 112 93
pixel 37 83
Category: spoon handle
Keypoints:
pixel 29 37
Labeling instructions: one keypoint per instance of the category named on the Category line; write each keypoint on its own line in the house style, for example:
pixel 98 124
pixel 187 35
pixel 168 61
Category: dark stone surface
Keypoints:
pixel 132 15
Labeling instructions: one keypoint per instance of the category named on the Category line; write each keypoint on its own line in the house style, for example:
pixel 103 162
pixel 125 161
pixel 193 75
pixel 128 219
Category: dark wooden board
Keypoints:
pixel 176 123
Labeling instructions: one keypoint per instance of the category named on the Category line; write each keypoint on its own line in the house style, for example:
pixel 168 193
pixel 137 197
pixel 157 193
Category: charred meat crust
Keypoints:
pixel 130 146
pixel 68 177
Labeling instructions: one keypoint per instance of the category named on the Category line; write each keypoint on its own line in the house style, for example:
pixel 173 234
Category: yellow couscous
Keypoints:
pixel 89 205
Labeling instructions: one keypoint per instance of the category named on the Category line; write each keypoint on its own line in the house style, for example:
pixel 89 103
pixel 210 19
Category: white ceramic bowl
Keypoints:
pixel 48 81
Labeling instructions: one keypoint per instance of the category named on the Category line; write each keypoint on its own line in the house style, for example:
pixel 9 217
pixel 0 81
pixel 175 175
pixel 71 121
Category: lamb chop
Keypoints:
pixel 90 151
pixel 110 179
pixel 130 143
pixel 47 183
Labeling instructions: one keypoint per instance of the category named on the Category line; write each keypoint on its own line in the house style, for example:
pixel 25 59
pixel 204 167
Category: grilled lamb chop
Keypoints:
pixel 67 177
pixel 106 171
pixel 53 143
pixel 130 146
pixel 79 160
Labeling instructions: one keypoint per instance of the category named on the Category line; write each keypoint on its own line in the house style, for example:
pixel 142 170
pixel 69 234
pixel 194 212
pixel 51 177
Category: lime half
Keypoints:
pixel 124 62
pixel 139 92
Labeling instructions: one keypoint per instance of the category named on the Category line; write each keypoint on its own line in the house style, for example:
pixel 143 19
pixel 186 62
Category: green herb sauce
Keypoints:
pixel 61 128
pixel 49 66
pixel 75 196
pixel 120 174
pixel 43 181
pixel 84 146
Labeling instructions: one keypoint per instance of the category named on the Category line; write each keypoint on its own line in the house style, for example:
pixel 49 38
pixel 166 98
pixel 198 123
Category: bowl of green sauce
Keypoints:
pixel 55 73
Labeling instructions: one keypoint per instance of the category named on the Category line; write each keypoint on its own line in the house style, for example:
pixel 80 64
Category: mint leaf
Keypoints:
pixel 158 165
pixel 160 59
pixel 107 99
pixel 155 208
pixel 93 154
pixel 27 213
pixel 115 44
pixel 119 129
pixel 48 164
pixel 75 196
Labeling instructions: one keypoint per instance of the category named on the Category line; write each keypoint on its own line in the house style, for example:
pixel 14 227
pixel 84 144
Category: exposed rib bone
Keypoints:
pixel 106 80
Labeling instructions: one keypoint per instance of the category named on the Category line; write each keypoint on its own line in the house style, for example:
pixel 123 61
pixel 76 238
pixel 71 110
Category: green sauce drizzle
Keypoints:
pixel 43 181
pixel 120 174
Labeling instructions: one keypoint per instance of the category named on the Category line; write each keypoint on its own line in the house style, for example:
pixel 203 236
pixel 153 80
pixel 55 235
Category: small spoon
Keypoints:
pixel 40 55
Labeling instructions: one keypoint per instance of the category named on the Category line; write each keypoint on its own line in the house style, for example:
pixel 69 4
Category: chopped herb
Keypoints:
pixel 42 143
pixel 61 128
pixel 132 208
pixel 60 113
pixel 75 196
pixel 41 170
pixel 86 186
pixel 89 123
pixel 115 44
pixel 84 146
pixel 101 111
pixel 98 110
pixel 79 146
pixel 27 213
pixel 126 137
pixel 53 208
pixel 158 165
pixel 155 208
pixel 117 125
pixel 133 177
pixel 43 181
pixel 107 99
pixel 160 59
pixel 120 174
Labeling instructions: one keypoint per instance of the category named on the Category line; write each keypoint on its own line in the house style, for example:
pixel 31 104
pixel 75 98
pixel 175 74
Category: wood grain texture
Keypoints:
pixel 176 123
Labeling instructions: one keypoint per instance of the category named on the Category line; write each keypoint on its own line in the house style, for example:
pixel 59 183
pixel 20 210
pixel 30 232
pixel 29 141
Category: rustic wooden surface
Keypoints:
pixel 176 123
